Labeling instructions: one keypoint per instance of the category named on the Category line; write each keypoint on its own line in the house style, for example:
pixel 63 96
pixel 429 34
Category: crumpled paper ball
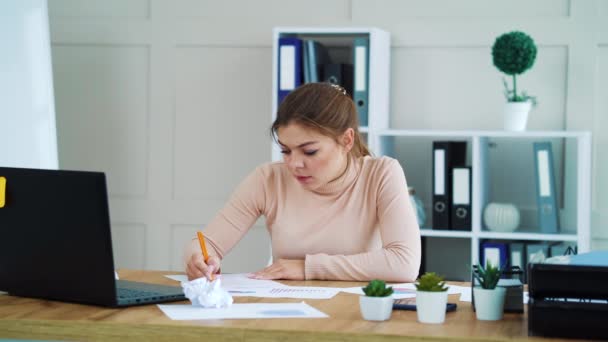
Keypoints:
pixel 208 294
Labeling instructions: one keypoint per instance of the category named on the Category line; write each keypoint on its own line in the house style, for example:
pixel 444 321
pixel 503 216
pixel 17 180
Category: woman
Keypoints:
pixel 333 212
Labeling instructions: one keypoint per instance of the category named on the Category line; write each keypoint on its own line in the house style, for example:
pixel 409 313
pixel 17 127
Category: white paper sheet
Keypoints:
pixel 242 311
pixel 240 285
pixel 466 296
pixel 237 281
pixel 301 292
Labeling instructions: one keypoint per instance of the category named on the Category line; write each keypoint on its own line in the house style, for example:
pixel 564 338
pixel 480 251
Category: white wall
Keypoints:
pixel 172 98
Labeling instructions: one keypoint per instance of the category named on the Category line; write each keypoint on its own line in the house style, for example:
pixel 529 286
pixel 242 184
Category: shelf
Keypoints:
pixel 528 236
pixel 480 133
pixel 446 233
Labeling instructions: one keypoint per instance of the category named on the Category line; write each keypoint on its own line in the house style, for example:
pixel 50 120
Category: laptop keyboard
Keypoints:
pixel 124 293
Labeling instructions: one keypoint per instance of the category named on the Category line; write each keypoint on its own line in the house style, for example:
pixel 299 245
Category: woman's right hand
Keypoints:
pixel 197 268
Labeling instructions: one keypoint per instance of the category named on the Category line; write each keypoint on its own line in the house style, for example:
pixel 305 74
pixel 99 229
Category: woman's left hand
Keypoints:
pixel 289 269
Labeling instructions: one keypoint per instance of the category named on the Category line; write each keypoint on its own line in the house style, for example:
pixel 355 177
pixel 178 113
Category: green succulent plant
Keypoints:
pixel 431 282
pixel 377 288
pixel 513 53
pixel 488 277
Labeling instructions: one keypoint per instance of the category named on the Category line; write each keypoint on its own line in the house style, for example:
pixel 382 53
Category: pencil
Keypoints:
pixel 201 241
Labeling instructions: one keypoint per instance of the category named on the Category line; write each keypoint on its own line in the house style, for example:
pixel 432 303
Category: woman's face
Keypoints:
pixel 314 159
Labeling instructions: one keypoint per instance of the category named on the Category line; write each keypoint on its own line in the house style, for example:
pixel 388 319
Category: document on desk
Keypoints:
pixel 242 311
pixel 240 285
pixel 237 281
pixel 301 292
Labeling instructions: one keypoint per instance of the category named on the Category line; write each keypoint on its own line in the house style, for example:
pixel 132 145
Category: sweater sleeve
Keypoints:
pixel 246 204
pixel 399 258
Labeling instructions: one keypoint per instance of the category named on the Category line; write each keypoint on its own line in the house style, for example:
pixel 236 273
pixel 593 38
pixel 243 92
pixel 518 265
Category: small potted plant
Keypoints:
pixel 377 304
pixel 489 299
pixel 431 298
pixel 513 53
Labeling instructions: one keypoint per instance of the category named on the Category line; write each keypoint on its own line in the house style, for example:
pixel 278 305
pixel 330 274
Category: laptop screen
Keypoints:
pixel 55 240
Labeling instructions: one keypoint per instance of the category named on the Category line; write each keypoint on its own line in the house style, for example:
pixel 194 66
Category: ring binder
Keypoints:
pixel 545 188
pixel 446 155
pixel 290 66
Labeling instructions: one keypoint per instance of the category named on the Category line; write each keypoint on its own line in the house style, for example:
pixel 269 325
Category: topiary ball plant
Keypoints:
pixel 431 282
pixel 377 288
pixel 513 53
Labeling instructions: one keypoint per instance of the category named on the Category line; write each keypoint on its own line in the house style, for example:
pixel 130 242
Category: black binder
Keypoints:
pixel 461 198
pixel 340 74
pixel 446 155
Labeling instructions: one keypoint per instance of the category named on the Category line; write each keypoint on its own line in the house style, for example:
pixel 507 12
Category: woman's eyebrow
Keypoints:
pixel 301 145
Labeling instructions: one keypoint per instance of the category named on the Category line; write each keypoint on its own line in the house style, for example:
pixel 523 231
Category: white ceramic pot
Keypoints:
pixel 516 115
pixel 431 306
pixel 376 308
pixel 501 217
pixel 489 304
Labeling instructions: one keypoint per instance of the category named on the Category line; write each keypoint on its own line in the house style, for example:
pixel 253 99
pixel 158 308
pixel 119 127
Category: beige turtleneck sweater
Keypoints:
pixel 359 227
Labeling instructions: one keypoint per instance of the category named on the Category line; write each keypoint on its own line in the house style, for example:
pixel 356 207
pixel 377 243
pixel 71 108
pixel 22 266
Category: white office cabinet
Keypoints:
pixel 502 172
pixel 339 43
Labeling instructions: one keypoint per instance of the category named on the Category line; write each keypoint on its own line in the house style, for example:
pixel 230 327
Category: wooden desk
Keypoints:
pixel 42 319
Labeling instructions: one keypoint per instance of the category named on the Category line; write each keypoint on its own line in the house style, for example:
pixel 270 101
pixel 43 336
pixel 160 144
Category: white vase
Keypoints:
pixel 376 308
pixel 489 304
pixel 516 115
pixel 501 217
pixel 431 306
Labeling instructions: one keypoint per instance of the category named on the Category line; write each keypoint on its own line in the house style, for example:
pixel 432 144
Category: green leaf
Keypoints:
pixel 489 276
pixel 431 282
pixel 377 288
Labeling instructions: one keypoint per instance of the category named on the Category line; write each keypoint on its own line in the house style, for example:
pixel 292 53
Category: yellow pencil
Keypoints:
pixel 201 241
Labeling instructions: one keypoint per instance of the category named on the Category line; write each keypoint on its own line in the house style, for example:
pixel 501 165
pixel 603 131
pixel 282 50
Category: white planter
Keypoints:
pixel 501 217
pixel 376 308
pixel 431 306
pixel 489 304
pixel 516 115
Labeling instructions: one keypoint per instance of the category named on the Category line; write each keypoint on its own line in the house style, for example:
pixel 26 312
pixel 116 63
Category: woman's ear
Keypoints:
pixel 348 139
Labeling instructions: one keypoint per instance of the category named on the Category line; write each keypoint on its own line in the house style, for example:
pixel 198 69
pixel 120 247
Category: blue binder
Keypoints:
pixel 361 78
pixel 545 188
pixel 290 66
pixel 494 252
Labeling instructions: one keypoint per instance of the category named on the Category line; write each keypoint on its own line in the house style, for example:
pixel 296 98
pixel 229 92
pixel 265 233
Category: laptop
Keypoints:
pixel 55 241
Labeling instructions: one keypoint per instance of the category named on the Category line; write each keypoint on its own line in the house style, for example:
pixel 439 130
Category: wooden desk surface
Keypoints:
pixel 42 319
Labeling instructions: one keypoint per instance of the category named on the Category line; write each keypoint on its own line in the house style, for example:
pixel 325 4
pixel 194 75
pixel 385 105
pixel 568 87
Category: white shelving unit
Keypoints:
pixel 413 148
pixel 572 151
pixel 339 42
